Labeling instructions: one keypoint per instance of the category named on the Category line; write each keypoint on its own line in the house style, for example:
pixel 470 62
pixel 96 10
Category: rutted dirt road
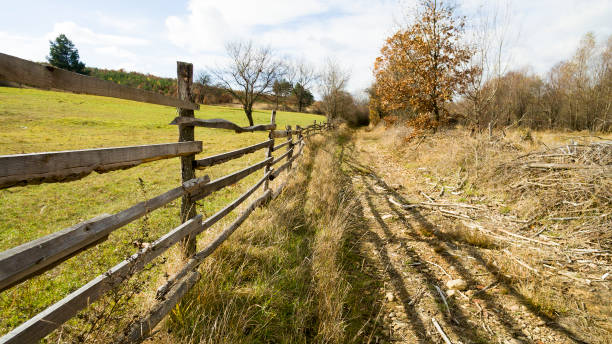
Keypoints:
pixel 411 251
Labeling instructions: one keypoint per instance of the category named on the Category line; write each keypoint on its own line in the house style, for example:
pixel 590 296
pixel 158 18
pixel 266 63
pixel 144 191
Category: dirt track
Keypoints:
pixel 408 250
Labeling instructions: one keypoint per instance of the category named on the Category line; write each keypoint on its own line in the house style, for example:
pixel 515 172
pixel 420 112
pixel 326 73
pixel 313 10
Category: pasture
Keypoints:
pixel 39 121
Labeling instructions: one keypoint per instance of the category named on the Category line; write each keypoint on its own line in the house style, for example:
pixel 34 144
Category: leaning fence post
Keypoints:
pixel 184 79
pixel 269 152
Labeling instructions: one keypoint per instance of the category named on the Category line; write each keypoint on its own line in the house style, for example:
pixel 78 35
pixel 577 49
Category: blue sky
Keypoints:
pixel 149 36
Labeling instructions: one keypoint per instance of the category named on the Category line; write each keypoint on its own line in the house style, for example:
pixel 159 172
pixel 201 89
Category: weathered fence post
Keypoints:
pixel 289 146
pixel 269 151
pixel 184 79
pixel 299 134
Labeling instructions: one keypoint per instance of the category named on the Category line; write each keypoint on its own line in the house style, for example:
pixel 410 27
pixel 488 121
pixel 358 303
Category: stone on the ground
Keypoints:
pixel 390 297
pixel 456 284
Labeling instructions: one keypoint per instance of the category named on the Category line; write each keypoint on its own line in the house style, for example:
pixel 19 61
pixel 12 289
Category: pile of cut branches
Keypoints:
pixel 573 186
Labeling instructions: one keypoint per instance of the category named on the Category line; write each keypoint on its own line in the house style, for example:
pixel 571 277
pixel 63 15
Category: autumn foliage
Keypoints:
pixel 422 66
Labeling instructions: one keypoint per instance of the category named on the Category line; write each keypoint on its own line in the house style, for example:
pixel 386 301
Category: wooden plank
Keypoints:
pixel 221 124
pixel 184 76
pixel 230 179
pixel 282 156
pixel 286 165
pixel 52 317
pixel 35 168
pixel 280 146
pixel 269 152
pixel 49 77
pixel 290 147
pixel 197 259
pixel 223 157
pixel 209 222
pixel 143 327
pixel 32 258
pixel 279 133
pixel 278 171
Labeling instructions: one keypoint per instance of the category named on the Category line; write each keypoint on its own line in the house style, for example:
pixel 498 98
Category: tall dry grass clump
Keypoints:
pixel 279 277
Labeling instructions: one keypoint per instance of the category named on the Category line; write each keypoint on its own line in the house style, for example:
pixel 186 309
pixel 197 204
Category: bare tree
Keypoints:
pixel 301 72
pixel 332 87
pixel 201 86
pixel 302 76
pixel 250 73
pixel 491 40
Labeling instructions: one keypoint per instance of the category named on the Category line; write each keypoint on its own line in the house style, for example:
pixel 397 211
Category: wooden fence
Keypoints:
pixel 33 258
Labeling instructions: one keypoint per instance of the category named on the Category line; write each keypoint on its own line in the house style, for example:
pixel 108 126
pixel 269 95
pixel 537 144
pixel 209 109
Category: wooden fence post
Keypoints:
pixel 184 73
pixel 269 151
pixel 299 134
pixel 289 146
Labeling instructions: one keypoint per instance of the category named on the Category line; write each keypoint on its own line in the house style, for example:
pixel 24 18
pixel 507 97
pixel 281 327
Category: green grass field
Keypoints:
pixel 39 121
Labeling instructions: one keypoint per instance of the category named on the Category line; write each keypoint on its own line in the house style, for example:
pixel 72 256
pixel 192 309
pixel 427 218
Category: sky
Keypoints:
pixel 150 36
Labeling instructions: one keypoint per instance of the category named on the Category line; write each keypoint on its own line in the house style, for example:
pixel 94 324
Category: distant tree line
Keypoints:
pixel 253 74
pixel 575 94
pixel 429 73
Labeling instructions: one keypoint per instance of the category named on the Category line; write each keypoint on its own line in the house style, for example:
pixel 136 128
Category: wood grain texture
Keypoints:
pixel 275 134
pixel 287 165
pixel 282 156
pixel 49 77
pixel 184 77
pixel 221 124
pixel 51 318
pixel 35 168
pixel 224 157
pixel 143 327
pixel 227 180
pixel 32 258
pixel 280 146
pixel 290 146
pixel 269 152
pixel 199 257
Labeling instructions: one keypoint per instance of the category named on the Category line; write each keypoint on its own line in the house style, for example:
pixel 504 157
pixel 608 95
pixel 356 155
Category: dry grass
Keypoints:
pixel 570 208
pixel 471 236
pixel 280 277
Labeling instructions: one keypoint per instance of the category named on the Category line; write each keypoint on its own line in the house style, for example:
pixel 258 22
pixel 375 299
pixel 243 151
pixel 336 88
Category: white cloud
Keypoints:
pixel 95 49
pixel 24 46
pixel 82 35
pixel 350 31
pixel 122 24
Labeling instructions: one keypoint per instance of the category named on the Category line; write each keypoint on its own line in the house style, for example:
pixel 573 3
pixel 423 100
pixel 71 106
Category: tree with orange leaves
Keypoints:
pixel 423 66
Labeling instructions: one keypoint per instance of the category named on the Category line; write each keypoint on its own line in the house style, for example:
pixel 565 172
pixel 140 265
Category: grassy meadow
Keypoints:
pixel 39 121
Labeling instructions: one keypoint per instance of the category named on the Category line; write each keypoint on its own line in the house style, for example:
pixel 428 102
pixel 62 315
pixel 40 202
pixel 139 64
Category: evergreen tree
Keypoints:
pixel 281 89
pixel 303 96
pixel 63 54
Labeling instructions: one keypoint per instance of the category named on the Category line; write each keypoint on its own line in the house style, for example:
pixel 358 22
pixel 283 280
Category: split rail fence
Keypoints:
pixel 23 262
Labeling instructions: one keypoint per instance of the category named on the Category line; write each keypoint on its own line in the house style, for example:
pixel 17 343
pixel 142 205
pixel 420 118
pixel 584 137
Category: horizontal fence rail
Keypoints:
pixel 235 154
pixel 228 180
pixel 221 124
pixel 70 165
pixel 284 155
pixel 51 318
pixel 275 148
pixel 48 77
pixel 35 257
